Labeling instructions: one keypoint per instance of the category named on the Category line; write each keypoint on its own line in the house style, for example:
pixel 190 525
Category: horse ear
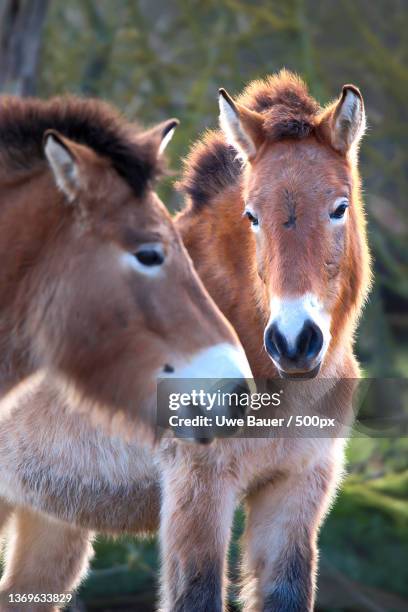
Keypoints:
pixel 63 163
pixel 345 121
pixel 242 127
pixel 159 136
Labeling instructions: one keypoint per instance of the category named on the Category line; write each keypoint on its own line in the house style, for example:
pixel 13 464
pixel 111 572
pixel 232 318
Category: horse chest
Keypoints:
pixel 259 461
pixel 66 468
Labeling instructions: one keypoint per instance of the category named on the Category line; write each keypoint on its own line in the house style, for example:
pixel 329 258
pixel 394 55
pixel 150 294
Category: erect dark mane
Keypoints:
pixel 289 112
pixel 96 124
pixel 211 166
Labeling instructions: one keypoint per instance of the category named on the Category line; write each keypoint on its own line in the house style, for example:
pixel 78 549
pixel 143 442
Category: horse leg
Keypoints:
pixel 197 514
pixel 280 555
pixel 43 556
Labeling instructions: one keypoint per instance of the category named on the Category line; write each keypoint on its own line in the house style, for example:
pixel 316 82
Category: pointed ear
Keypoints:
pixel 241 126
pixel 63 163
pixel 159 136
pixel 344 123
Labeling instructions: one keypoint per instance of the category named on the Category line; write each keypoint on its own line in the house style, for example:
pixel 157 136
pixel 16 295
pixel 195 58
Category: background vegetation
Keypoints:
pixel 162 58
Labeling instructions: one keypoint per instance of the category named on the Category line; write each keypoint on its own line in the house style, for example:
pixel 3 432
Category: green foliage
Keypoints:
pixel 366 534
pixel 126 569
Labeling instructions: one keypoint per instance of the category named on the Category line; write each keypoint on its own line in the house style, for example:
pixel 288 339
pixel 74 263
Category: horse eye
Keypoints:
pixel 150 256
pixel 339 212
pixel 251 217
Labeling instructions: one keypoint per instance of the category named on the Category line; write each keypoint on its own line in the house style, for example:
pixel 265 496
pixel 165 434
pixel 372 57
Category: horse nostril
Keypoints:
pixel 168 369
pixel 275 343
pixel 310 341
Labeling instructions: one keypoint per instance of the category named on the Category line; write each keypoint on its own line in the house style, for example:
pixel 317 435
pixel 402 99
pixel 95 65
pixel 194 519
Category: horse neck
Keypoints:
pixel 222 248
pixel 27 212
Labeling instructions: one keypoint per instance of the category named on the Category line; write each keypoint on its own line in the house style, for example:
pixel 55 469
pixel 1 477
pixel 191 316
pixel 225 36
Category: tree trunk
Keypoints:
pixel 21 23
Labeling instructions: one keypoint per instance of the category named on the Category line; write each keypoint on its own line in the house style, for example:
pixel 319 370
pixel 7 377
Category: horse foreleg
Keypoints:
pixel 43 557
pixel 197 514
pixel 280 554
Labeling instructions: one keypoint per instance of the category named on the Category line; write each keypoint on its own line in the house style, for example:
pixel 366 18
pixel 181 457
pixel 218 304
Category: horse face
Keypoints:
pixel 300 199
pixel 127 306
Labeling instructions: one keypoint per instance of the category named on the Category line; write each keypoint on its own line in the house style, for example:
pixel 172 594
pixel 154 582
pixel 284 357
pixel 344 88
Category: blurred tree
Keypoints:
pixel 21 23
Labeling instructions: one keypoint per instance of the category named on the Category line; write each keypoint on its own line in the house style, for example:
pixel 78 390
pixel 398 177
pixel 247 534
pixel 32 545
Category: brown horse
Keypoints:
pixel 275 227
pixel 95 284
pixel 97 299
